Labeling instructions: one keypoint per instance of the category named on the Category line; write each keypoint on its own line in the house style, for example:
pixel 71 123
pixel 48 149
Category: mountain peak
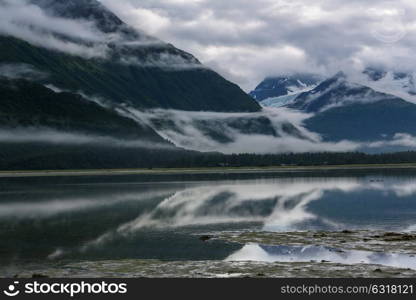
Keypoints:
pixel 90 10
pixel 113 38
pixel 399 83
pixel 336 91
pixel 284 85
pixel 374 74
pixel 340 75
pixel 106 58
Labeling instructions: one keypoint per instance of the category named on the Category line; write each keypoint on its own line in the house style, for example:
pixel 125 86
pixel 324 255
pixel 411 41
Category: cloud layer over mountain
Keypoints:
pixel 41 24
pixel 29 22
pixel 247 40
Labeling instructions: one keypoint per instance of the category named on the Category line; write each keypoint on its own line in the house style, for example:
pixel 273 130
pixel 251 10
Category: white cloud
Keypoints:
pixel 248 40
pixel 17 71
pixel 399 139
pixel 244 40
pixel 274 130
pixel 82 37
pixel 55 137
pixel 29 22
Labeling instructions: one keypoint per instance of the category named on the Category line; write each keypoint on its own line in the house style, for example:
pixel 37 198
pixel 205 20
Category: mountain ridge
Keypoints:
pixel 26 104
pixel 333 92
pixel 341 109
pixel 145 75
pixel 278 86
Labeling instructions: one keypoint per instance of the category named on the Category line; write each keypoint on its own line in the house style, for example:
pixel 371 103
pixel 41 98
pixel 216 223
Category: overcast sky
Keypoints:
pixel 246 40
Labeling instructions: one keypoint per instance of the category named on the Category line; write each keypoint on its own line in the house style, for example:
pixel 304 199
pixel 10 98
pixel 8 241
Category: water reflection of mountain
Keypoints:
pixel 159 220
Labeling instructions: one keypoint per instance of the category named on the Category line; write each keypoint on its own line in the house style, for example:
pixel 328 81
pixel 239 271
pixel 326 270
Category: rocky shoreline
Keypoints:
pixel 371 241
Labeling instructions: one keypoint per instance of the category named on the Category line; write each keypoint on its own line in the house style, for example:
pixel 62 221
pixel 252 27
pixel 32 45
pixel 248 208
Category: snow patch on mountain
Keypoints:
pixel 399 84
pixel 335 92
pixel 279 101
pixel 276 87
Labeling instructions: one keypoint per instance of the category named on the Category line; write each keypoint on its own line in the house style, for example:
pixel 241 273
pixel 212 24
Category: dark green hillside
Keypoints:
pixel 144 87
pixel 47 156
pixel 28 104
pixel 157 74
pixel 365 122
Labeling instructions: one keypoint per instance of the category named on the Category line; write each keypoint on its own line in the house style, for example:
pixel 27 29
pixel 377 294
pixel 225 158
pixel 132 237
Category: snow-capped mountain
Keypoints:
pixel 335 92
pixel 342 110
pixel 279 101
pixel 400 84
pixel 374 106
pixel 280 91
pixel 287 91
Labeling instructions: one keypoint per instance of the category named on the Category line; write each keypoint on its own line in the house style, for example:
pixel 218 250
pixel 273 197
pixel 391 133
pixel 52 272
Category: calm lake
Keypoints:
pixel 57 219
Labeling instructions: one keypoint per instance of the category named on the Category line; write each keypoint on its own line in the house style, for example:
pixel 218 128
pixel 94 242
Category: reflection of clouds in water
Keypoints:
pixel 283 217
pixel 254 252
pixel 405 189
pixel 411 228
pixel 280 203
pixel 276 205
pixel 52 207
